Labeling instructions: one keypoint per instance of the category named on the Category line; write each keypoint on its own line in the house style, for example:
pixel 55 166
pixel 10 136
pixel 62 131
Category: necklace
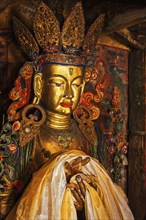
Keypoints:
pixel 57 140
pixel 64 138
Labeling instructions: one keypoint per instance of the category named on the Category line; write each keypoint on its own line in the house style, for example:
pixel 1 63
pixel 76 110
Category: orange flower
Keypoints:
pixel 120 145
pixel 13 148
pixel 16 126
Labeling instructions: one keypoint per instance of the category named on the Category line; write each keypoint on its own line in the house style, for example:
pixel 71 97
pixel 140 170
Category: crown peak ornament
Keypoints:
pixel 46 27
pixel 58 44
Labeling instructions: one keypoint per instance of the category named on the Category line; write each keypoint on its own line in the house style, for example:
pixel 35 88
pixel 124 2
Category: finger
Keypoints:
pixel 72 185
pixel 85 161
pixel 79 202
pixel 92 182
pixel 78 206
pixel 93 185
pixel 81 185
pixel 75 192
pixel 68 169
pixel 76 161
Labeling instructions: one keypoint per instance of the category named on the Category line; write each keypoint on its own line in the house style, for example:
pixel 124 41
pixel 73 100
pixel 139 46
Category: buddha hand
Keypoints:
pixel 75 180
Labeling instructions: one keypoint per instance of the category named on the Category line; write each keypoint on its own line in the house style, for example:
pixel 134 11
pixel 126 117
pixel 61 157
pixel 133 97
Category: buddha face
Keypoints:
pixel 62 87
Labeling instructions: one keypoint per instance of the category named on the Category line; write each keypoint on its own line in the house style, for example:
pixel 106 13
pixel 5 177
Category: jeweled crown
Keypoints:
pixel 50 44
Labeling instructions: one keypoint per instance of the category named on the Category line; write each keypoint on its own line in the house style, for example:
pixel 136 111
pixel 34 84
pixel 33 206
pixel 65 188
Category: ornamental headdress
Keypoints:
pixel 69 45
pixel 49 44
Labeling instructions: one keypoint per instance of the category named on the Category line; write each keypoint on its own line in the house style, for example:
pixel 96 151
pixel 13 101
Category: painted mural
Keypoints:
pixel 106 93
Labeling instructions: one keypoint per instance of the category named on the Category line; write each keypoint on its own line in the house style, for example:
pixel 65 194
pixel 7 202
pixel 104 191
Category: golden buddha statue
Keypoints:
pixel 67 183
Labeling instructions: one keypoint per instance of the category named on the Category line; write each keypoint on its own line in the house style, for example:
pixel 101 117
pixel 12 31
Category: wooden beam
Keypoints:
pixel 132 16
pixel 127 40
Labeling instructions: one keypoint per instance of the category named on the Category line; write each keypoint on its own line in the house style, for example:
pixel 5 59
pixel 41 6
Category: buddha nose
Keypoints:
pixel 69 92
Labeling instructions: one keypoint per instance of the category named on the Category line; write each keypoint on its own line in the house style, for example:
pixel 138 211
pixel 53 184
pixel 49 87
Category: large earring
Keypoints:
pixel 83 116
pixel 33 116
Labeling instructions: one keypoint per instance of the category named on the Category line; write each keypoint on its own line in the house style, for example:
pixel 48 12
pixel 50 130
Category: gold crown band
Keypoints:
pixel 60 59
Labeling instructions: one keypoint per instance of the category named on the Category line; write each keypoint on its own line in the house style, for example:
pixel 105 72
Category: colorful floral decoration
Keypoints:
pixel 11 175
pixel 14 173
pixel 20 94
pixel 9 151
pixel 105 95
pixel 112 63
pixel 89 98
pixel 94 89
pixel 117 145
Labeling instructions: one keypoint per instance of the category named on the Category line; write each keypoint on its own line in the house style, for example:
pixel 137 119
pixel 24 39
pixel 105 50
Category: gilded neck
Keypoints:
pixel 58 121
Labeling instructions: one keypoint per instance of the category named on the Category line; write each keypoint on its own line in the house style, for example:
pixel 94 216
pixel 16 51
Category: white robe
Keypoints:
pixel 47 196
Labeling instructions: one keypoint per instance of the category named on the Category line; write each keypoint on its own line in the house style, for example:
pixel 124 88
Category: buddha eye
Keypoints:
pixel 77 85
pixel 56 84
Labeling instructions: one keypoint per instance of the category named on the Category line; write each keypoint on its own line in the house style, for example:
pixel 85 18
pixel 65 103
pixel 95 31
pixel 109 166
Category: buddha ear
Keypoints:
pixel 37 86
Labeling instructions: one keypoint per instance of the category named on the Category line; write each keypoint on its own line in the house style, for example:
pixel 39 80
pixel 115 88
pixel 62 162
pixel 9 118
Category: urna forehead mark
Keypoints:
pixel 70 71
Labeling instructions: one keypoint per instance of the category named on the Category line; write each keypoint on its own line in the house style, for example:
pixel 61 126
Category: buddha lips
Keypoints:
pixel 66 104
